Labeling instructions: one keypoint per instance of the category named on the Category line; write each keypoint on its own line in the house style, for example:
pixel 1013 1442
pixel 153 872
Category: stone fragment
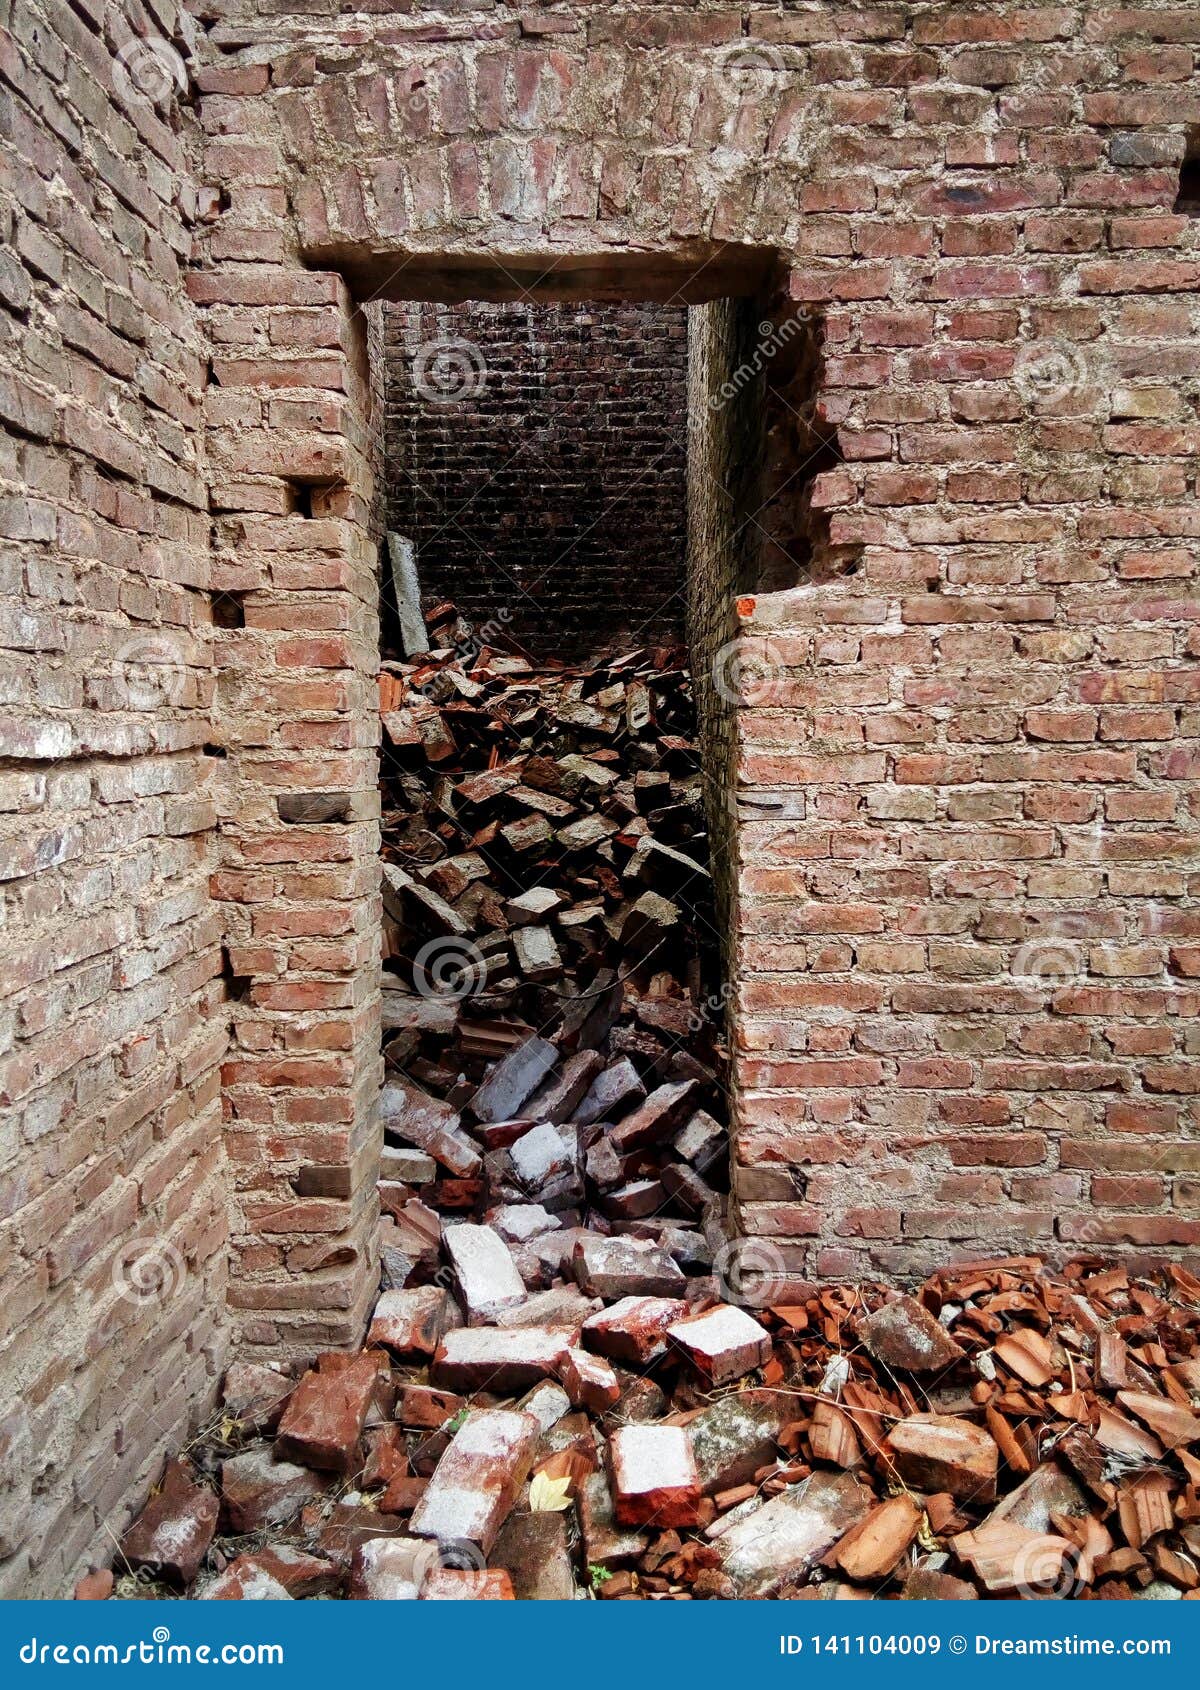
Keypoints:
pixel 478 1479
pixel 633 1330
pixel 537 955
pixel 589 1382
pixel 95 1586
pixel 546 1163
pixel 625 1267
pixel 172 1533
pixel 423 1407
pixel 255 1395
pixel 611 1094
pixel 561 1305
pixel 1048 1490
pixel 406 1167
pixel 701 1141
pixel 532 906
pixel 514 1078
pixel 927 1584
pixel 467 1584
pixel 499 1359
pixel 244 1580
pixel 1005 1557
pixel 327 1411
pixel 785 1537
pixel 547 1403
pixel 558 1098
pixel 871 1549
pixel 518 1222
pixel 722 1343
pixel 734 1437
pixel 533 1550
pixel 412 1322
pixel 657 1118
pixel 605 1542
pixel 258 1491
pixel 299 1573
pixel 390 1569
pixel 486 1273
pixel 632 1202
pixel 937 1452
pixel 686 1190
pixel 430 1124
pixel 902 1334
pixel 653 1476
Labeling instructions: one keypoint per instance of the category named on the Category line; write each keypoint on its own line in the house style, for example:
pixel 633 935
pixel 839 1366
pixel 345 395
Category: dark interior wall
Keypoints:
pixel 537 459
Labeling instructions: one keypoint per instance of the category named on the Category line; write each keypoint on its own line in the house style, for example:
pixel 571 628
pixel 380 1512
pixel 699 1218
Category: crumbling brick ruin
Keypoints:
pixel 943 263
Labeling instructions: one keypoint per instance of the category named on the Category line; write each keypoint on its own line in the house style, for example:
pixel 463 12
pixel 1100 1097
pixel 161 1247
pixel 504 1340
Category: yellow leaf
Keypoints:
pixel 549 1496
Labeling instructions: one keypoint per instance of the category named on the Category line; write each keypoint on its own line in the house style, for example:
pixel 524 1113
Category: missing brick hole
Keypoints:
pixel 229 610
pixel 217 751
pixel 316 499
pixel 237 986
pixel 1187 201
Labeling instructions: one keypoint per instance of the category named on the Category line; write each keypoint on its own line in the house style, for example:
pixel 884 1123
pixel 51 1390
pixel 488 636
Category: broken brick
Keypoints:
pixel 172 1533
pixel 478 1479
pixel 723 1343
pixel 326 1413
pixel 654 1477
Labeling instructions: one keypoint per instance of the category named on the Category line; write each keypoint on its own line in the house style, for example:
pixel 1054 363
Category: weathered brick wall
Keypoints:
pixel 536 458
pixel 112 1215
pixel 979 747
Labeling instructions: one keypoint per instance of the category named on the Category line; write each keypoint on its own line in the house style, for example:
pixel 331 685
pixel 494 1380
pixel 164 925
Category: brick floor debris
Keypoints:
pixel 958 1479
pixel 560 1395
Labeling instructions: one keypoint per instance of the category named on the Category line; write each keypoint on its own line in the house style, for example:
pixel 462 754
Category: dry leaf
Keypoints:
pixel 549 1496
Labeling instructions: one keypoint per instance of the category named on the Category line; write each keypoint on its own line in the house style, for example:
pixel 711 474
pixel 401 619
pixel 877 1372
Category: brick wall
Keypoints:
pixel 965 1016
pixel 112 1216
pixel 966 943
pixel 536 459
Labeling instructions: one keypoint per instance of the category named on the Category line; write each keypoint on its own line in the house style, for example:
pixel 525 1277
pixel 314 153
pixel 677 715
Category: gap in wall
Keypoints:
pixel 571 540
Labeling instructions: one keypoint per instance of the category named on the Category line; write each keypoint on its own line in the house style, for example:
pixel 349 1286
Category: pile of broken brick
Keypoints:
pixel 553 1063
pixel 1007 1432
pixel 571 1386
